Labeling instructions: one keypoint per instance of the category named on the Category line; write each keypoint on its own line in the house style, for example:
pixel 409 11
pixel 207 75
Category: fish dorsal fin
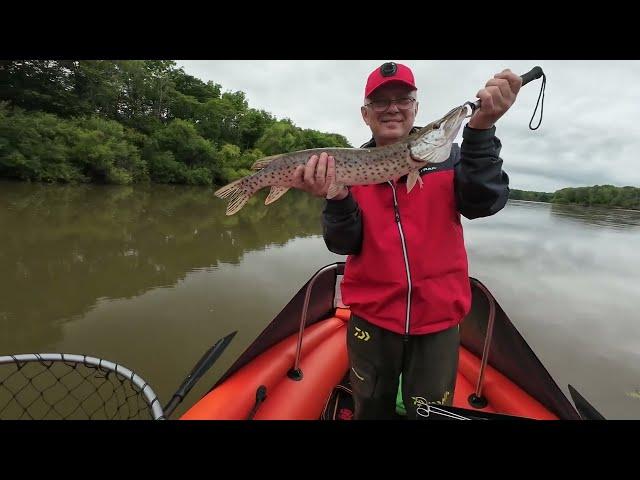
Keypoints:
pixel 263 162
pixel 275 194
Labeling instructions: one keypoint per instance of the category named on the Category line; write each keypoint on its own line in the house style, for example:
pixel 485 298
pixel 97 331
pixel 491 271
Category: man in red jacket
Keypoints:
pixel 406 275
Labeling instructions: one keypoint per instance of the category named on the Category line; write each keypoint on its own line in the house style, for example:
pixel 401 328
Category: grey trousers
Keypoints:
pixel 377 357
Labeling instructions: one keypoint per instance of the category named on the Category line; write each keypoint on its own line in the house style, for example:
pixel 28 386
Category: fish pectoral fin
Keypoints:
pixel 334 189
pixel 412 178
pixel 275 194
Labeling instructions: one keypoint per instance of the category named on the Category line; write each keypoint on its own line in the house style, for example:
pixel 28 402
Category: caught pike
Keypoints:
pixel 364 166
pixel 354 166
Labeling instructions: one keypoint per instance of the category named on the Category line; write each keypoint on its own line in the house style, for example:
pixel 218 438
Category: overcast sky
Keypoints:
pixel 590 133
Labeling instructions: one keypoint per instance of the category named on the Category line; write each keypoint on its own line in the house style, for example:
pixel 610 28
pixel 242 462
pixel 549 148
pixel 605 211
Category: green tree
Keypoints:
pixel 280 137
pixel 45 85
pixel 125 121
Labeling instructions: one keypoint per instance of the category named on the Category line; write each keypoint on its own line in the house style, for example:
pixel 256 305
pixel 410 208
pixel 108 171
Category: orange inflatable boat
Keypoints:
pixel 297 368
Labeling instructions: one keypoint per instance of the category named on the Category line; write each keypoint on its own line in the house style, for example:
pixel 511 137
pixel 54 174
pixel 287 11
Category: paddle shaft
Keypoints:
pixel 197 372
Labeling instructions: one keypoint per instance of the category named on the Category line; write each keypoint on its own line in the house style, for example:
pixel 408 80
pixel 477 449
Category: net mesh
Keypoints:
pixel 64 389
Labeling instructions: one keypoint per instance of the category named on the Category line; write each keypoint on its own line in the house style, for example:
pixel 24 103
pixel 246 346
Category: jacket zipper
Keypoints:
pixel 406 257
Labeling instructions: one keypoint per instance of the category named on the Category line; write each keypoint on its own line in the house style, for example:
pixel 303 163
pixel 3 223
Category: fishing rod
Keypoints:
pixel 533 74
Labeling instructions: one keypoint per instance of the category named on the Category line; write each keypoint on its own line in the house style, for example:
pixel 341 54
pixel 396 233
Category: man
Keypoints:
pixel 406 275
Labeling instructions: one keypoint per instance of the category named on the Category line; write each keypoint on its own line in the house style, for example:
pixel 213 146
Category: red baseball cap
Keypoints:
pixel 389 72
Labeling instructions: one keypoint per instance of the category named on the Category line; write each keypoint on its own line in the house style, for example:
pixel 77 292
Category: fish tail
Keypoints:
pixel 238 193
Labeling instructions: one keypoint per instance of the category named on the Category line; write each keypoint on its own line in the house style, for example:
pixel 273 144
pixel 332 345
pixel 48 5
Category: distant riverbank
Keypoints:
pixel 597 195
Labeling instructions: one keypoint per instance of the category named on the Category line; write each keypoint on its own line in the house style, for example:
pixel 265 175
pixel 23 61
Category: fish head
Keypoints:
pixel 432 144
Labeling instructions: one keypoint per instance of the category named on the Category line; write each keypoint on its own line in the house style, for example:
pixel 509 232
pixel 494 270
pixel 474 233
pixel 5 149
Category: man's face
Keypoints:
pixel 394 123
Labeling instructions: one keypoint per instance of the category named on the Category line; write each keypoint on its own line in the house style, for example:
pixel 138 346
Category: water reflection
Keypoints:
pixel 65 247
pixel 153 276
pixel 568 278
pixel 616 219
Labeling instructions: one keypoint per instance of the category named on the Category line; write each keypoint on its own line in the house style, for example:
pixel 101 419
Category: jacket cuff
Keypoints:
pixel 342 207
pixel 475 135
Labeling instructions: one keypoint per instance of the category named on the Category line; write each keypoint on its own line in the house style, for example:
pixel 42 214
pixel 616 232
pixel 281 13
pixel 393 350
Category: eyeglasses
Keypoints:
pixel 380 106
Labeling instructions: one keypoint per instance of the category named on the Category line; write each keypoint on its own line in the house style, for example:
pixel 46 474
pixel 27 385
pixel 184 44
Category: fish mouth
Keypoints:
pixel 451 122
pixel 434 141
pixel 458 114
